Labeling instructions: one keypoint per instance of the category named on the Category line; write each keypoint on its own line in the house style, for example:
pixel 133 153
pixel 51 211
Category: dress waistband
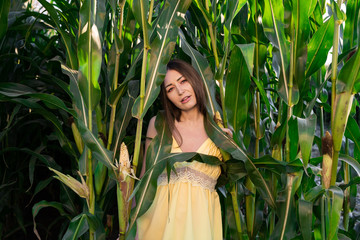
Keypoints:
pixel 187 174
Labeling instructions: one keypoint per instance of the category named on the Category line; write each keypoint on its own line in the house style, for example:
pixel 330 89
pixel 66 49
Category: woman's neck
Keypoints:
pixel 193 115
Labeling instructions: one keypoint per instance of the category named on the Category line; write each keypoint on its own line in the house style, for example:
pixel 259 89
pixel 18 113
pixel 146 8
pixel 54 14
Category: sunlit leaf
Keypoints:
pixel 67 40
pixel 237 85
pixel 224 142
pixel 306 128
pixel 273 22
pixel 348 76
pixel 337 197
pixel 305 218
pixel 90 55
pixel 352 162
pixel 319 46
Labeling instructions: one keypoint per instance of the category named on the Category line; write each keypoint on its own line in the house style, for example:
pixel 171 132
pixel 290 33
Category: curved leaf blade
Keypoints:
pixel 306 129
pixel 69 46
pixel 319 47
pixel 90 55
pixel 201 65
pixel 224 142
pixel 162 47
pixel 238 83
pixel 273 22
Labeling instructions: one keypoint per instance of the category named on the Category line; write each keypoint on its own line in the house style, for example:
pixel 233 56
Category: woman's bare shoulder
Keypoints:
pixel 151 131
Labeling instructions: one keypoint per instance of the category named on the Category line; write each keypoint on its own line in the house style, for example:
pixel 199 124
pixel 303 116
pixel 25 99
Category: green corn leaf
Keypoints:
pixel 77 98
pixel 140 14
pixel 311 104
pixel 312 6
pixel 77 227
pixel 261 89
pixel 353 132
pixel 306 128
pixel 348 76
pixel 43 204
pixel 305 212
pixel 200 63
pixel 237 85
pixel 39 187
pixel 155 151
pixel 11 89
pixel 17 90
pixel 123 115
pixel 339 15
pixel 45 160
pixel 273 22
pixel 4 11
pixel 117 94
pixel 92 142
pixel 90 55
pixel 351 24
pixel 319 46
pixel 232 9
pixel 294 137
pixel 314 193
pixel 65 36
pixel 352 162
pixel 285 227
pixel 300 24
pixel 337 197
pixel 224 142
pixel 100 176
pixel 354 181
pixel 32 165
pixel 162 48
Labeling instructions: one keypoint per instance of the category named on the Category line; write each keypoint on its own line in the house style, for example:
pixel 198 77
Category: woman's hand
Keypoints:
pixel 227 131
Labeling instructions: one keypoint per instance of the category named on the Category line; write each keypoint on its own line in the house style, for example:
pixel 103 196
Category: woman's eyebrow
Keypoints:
pixel 176 80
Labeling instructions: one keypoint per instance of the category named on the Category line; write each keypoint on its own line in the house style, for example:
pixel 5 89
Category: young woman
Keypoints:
pixel 186 207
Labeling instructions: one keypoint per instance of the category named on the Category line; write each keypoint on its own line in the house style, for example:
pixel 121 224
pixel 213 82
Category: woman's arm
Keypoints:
pixel 227 131
pixel 150 134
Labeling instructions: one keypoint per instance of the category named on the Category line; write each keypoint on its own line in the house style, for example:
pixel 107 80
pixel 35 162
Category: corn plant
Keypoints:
pixel 90 73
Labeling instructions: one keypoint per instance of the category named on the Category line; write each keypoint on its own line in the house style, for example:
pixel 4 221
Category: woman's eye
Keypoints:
pixel 170 89
pixel 183 81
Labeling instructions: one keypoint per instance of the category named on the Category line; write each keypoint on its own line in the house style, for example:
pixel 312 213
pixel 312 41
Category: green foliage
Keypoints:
pixel 70 96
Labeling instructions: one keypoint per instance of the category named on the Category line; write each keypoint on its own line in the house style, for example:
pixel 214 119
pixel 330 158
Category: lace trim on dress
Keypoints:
pixel 187 174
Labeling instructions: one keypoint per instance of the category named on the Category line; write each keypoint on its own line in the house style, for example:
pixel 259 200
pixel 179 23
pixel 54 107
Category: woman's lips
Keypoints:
pixel 185 99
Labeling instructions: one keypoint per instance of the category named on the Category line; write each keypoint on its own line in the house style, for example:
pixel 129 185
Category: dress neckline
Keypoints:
pixel 200 147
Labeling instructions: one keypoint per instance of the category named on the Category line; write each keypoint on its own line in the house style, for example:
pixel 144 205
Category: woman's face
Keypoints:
pixel 179 91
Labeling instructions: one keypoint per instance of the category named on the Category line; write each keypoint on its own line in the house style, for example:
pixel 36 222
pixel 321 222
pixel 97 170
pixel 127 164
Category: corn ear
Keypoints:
pixel 218 120
pixel 124 165
pixel 327 149
pixel 277 152
pixel 81 189
pixel 77 136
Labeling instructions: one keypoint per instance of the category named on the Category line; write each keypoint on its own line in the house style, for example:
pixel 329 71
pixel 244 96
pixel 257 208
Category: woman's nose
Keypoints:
pixel 180 90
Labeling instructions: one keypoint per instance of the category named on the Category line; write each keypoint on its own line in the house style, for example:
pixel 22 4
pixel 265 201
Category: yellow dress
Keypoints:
pixel 188 207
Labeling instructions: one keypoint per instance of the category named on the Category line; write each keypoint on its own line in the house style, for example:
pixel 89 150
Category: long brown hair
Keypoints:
pixel 172 112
